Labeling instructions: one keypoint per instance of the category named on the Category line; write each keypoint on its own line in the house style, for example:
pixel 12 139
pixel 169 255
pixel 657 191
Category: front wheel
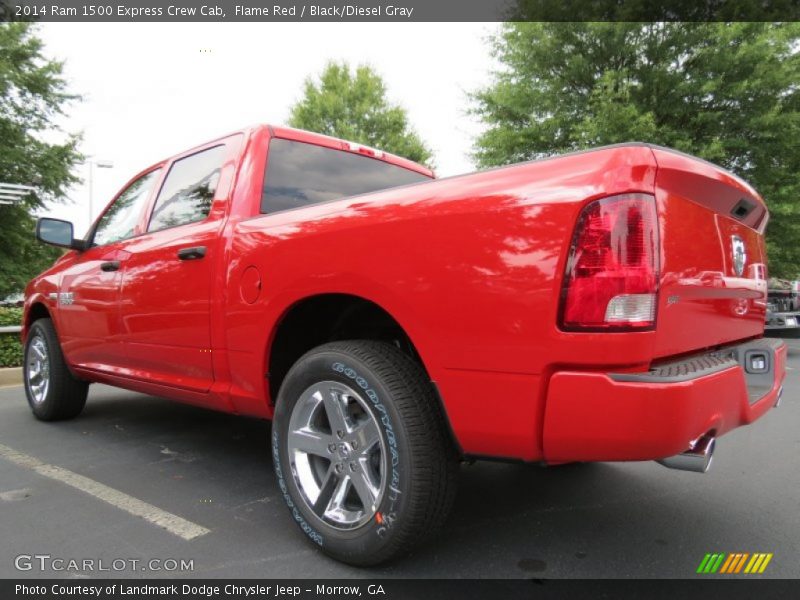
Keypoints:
pixel 361 453
pixel 53 392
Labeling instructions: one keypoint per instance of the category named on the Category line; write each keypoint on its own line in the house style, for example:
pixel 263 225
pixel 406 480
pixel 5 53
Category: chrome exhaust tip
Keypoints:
pixel 696 459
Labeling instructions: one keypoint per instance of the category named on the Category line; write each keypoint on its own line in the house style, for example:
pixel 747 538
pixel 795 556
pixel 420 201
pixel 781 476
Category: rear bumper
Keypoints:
pixel 591 416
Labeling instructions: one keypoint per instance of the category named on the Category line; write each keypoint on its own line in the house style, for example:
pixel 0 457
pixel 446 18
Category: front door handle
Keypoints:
pixel 112 265
pixel 193 253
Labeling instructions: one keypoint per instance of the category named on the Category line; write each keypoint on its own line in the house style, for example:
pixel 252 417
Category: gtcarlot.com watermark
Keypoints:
pixel 59 564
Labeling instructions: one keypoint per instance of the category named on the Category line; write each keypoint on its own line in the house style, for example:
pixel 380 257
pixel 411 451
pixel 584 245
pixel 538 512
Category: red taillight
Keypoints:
pixel 611 280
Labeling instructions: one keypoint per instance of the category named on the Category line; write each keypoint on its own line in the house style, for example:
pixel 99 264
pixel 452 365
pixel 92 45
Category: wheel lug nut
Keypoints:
pixel 354 444
pixel 340 434
pixel 338 467
pixel 352 466
pixel 331 448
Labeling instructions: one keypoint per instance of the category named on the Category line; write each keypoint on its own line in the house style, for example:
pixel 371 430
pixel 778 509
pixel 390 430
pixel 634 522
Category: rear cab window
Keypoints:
pixel 300 174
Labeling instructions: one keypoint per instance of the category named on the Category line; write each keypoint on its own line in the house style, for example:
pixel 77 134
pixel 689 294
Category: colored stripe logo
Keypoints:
pixel 737 562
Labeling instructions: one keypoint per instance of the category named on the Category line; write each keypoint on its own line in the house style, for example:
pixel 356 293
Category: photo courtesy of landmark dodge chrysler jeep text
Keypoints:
pixel 599 306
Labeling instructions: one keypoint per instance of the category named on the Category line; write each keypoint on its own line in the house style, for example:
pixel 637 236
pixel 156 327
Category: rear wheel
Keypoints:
pixel 361 453
pixel 53 392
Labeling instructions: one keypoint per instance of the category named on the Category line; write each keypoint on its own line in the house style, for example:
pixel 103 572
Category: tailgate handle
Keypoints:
pixel 112 265
pixel 193 253
pixel 743 208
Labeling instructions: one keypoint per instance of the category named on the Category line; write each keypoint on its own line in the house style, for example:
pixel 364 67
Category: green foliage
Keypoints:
pixel 10 316
pixel 10 347
pixel 727 92
pixel 353 106
pixel 32 97
pixel 10 351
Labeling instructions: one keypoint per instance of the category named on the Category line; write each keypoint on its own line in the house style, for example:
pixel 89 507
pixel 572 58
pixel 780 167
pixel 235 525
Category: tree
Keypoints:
pixel 354 107
pixel 727 92
pixel 32 97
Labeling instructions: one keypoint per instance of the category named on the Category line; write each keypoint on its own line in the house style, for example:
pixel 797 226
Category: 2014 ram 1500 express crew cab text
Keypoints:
pixel 600 306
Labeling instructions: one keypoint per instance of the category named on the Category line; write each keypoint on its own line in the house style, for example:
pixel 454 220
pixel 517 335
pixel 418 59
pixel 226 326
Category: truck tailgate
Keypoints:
pixel 713 280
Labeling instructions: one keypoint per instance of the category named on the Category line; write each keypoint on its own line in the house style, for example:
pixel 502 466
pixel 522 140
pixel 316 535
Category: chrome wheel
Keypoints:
pixel 337 455
pixel 38 368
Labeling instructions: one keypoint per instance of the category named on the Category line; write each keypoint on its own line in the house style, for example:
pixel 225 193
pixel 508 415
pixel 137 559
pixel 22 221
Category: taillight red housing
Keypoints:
pixel 611 278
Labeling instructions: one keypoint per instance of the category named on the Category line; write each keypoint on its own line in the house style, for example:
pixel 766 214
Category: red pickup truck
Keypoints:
pixel 600 306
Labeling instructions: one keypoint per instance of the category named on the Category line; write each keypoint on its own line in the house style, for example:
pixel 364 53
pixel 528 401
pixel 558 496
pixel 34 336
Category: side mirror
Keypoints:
pixel 57 233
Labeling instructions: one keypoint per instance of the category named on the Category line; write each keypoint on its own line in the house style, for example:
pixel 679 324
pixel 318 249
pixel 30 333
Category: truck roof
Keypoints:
pixel 319 139
pixel 309 137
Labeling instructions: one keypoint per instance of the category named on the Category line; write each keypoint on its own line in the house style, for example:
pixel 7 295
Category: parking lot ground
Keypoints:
pixel 510 520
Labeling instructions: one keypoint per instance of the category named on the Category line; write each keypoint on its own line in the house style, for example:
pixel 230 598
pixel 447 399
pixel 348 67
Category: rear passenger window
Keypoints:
pixel 188 189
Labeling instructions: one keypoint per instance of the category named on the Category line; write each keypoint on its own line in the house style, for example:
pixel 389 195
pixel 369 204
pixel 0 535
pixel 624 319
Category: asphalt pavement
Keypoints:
pixel 81 490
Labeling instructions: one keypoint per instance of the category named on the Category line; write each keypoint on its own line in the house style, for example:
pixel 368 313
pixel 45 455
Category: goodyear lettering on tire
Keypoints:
pixel 389 516
pixel 298 516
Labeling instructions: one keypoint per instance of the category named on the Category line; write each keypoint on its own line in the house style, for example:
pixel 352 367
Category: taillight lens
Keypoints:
pixel 611 280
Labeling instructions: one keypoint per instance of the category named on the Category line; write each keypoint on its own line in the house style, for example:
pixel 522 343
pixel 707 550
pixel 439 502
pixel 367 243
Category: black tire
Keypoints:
pixel 422 462
pixel 64 396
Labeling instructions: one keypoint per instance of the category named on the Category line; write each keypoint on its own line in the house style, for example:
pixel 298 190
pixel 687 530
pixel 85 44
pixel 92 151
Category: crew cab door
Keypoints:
pixel 88 298
pixel 168 282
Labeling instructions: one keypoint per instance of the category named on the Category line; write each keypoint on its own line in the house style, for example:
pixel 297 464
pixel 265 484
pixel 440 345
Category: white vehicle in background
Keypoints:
pixel 783 309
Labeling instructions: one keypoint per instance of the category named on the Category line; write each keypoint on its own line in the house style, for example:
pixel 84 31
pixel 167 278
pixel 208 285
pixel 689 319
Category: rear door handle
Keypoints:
pixel 193 253
pixel 112 265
